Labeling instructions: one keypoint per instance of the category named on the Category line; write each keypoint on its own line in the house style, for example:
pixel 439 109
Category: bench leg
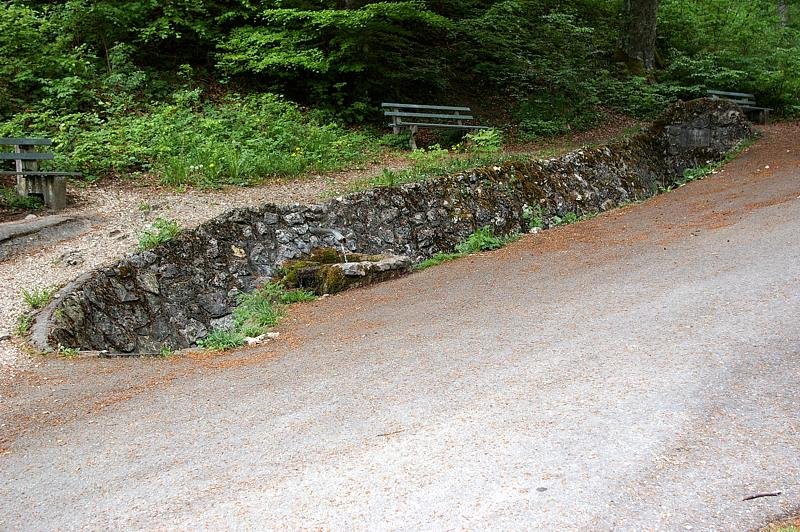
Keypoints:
pixel 52 189
pixel 55 192
pixel 412 141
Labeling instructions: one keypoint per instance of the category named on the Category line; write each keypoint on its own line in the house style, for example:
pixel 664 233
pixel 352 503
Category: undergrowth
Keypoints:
pixel 10 200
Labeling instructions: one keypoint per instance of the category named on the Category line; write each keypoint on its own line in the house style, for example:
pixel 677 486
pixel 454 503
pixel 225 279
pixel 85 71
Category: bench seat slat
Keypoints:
pixel 420 106
pixel 24 141
pixel 26 156
pixel 429 115
pixel 742 94
pixel 37 173
pixel 429 124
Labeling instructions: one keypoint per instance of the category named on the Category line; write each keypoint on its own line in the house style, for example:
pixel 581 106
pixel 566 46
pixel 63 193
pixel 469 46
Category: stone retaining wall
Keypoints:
pixel 170 295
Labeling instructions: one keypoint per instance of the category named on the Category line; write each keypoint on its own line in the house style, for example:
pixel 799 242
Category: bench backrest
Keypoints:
pixel 24 149
pixel 742 98
pixel 412 114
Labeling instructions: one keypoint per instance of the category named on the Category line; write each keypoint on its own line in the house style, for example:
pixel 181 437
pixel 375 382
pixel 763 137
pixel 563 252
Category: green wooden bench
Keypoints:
pixel 413 116
pixel 744 100
pixel 51 186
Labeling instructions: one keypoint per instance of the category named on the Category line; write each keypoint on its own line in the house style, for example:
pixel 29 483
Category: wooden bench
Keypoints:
pixel 51 186
pixel 744 100
pixel 411 115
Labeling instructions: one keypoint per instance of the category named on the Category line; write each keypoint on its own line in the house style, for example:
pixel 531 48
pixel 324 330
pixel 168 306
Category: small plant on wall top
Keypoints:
pixel 162 230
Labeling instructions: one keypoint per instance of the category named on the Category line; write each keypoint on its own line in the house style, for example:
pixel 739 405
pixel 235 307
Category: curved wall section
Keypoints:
pixel 173 294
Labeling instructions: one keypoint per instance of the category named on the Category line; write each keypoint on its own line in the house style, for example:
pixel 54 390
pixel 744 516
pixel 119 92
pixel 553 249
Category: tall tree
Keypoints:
pixel 640 33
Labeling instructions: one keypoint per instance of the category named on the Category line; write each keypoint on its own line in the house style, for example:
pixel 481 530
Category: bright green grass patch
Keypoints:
pixel 220 340
pixel 254 315
pixel 37 298
pixel 162 230
pixel 483 239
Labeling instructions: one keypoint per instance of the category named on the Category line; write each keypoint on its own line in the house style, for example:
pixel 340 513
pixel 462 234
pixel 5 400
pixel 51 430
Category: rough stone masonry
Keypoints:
pixel 169 296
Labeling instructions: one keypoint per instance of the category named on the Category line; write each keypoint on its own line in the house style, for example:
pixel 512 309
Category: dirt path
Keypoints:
pixel 119 212
pixel 636 371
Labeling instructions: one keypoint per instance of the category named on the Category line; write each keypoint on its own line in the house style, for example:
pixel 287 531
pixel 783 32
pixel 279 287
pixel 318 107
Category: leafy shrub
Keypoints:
pixel 238 141
pixel 161 230
pixel 340 57
pixel 533 216
pixel 9 199
pixel 485 140
pixel 566 219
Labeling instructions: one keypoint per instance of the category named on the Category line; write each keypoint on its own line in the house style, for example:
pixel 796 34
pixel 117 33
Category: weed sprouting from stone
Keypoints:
pixel 255 314
pixel 162 230
pixel 483 239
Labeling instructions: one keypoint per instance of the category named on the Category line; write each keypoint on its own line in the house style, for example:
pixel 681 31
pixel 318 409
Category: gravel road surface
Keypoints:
pixel 636 371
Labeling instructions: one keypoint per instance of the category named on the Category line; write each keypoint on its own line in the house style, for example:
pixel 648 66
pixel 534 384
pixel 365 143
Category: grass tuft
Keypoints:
pixel 37 298
pixel 162 230
pixel 255 314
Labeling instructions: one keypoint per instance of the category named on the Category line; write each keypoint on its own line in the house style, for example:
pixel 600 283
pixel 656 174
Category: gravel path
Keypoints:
pixel 635 371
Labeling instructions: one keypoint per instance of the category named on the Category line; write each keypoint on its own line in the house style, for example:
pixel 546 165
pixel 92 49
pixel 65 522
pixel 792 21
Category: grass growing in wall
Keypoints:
pixel 483 239
pixel 254 315
pixel 162 230
pixel 700 172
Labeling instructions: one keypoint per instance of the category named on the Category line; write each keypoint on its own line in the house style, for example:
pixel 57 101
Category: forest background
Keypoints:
pixel 212 92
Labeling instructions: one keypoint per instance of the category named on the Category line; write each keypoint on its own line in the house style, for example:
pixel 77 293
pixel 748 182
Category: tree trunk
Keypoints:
pixel 783 13
pixel 640 35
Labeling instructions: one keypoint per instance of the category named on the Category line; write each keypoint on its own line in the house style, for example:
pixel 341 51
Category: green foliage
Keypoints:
pixel 238 141
pixel 738 46
pixel 485 141
pixel 702 171
pixel 341 56
pixel 67 352
pixel 258 310
pixel 24 322
pixel 93 76
pixel 166 351
pixel 161 230
pixel 220 340
pixel 37 298
pixel 436 161
pixel 533 216
pixel 254 314
pixel 287 297
pixel 482 239
pixel 10 200
pixel 568 218
pixel 437 259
